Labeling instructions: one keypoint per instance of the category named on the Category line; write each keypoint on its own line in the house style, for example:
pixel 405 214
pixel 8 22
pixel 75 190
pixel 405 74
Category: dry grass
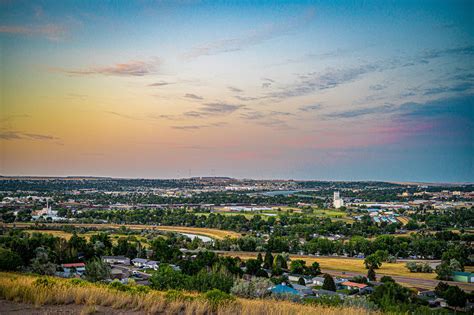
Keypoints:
pixel 213 233
pixel 350 265
pixel 24 289
pixel 66 235
pixel 57 233
pixel 403 220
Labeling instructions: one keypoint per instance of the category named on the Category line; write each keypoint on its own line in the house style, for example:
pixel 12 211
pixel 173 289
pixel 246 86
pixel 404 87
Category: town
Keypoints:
pixel 328 243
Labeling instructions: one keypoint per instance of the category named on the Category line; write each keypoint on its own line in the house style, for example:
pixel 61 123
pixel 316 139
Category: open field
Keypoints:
pixel 66 235
pixel 349 264
pixel 319 213
pixel 403 220
pixel 55 291
pixel 213 233
pixel 62 234
pixel 348 267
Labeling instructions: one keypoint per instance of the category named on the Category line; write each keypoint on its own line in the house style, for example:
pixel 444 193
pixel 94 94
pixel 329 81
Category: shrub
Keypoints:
pixel 44 282
pixel 255 288
pixel 325 300
pixel 216 298
pixel 360 302
pixel 78 282
pixel 175 295
pixel 418 267
pixel 117 285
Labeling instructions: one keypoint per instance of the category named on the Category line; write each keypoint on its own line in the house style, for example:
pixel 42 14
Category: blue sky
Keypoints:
pixel 344 90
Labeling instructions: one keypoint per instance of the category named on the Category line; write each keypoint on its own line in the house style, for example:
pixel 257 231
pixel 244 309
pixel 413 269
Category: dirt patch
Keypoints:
pixel 9 307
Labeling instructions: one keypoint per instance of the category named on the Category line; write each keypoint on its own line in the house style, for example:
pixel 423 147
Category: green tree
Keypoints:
pixel 328 283
pixel 372 261
pixel 260 258
pixel 9 260
pixel 391 296
pixel 280 262
pixel 444 271
pixel 268 260
pixel 167 278
pixel 301 281
pixel 455 297
pixel 253 266
pixel 298 266
pixel 97 270
pixel 371 275
pixel 314 269
pixel 441 288
pixel 41 264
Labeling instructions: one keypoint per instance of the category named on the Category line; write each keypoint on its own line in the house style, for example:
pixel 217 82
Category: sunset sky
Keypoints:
pixel 331 90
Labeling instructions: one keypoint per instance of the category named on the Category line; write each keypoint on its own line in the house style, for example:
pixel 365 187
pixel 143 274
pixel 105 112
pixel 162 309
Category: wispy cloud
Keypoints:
pixel 123 115
pixel 213 109
pixel 386 108
pixel 254 37
pixel 193 96
pixel 458 87
pixel 310 108
pixel 162 83
pixel 234 89
pixel 377 87
pixel 272 119
pixel 18 135
pixel 314 81
pixel 267 82
pixel 53 32
pixel 245 98
pixel 197 127
pixel 134 68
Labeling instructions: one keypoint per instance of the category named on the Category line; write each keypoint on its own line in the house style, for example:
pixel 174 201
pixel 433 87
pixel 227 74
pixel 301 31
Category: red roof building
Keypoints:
pixel 353 285
pixel 73 265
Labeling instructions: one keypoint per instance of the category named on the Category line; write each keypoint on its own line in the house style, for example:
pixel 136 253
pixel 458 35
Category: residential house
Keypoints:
pixel 302 290
pixel 349 285
pixel 296 278
pixel 116 260
pixel 117 273
pixel 283 289
pixel 321 293
pixel 339 281
pixel 467 277
pixel 152 264
pixel 318 281
pixel 139 262
pixel 73 269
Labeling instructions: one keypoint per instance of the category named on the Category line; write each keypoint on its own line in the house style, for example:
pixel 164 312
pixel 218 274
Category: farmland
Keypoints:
pixel 67 235
pixel 349 265
pixel 213 233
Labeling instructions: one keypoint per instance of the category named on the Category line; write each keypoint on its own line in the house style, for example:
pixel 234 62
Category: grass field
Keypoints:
pixel 351 265
pixel 319 213
pixel 213 233
pixel 66 235
pixel 40 291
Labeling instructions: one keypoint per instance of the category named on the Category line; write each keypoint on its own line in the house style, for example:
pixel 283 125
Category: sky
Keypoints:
pixel 324 90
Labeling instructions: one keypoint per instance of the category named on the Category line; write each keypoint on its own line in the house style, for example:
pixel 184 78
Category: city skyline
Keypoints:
pixel 300 90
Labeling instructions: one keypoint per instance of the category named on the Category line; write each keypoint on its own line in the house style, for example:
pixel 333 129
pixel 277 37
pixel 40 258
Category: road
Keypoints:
pixel 407 281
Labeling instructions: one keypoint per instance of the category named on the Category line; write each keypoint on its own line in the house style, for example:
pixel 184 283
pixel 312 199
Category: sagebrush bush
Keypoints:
pixel 216 298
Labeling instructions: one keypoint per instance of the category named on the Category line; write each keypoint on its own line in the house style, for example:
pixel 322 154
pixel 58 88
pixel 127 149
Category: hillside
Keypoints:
pixel 48 291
